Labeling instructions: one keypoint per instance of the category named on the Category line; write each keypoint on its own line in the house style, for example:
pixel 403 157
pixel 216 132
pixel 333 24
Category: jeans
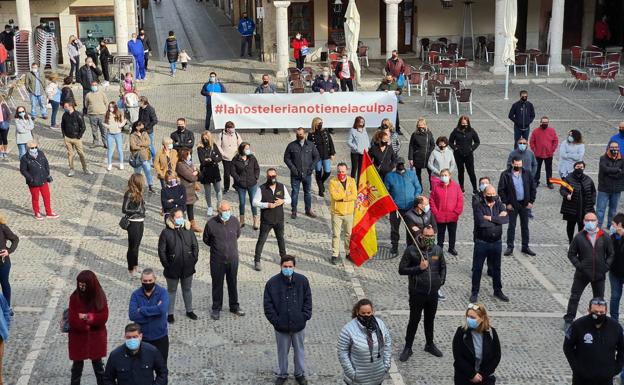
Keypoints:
pixel 55 108
pixel 98 370
pixel 187 294
pixel 492 252
pixel 147 170
pixel 172 67
pixel 295 183
pixel 395 228
pixel 523 212
pixel 346 84
pixel 152 149
pixel 44 191
pixel 97 128
pixel 547 165
pixel 37 101
pixel 246 41
pixel 162 344
pixel 616 294
pixel 251 191
pixel 341 224
pixel 72 145
pixel 135 235
pixel 189 212
pixel 602 200
pixel 74 66
pixel 452 231
pixel 278 229
pixel 105 70
pixel 466 163
pixel 323 165
pixel 85 91
pixel 579 283
pixel 284 342
pixel 21 149
pixel 118 138
pixel 227 170
pixel 5 269
pixel 218 272
pixel 140 68
pixel 418 303
pixel 218 191
pixel 520 132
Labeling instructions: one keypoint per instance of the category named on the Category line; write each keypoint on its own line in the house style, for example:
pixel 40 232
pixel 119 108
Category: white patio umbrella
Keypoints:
pixel 509 30
pixel 352 35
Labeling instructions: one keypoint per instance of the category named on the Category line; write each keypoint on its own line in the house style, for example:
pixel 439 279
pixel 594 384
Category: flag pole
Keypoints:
pixel 409 231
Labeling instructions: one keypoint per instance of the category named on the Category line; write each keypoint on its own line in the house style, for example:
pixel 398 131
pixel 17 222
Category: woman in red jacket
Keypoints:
pixel 447 204
pixel 88 313
pixel 299 44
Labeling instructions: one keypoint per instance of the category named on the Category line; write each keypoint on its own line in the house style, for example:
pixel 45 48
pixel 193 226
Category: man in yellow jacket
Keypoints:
pixel 343 192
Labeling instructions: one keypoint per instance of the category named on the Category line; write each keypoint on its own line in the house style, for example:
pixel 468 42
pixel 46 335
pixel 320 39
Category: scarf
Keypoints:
pixel 372 327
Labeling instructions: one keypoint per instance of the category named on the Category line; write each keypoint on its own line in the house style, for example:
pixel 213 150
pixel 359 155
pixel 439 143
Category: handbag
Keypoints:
pixel 136 160
pixel 4 125
pixel 124 222
pixel 304 50
pixel 401 81
pixel 64 324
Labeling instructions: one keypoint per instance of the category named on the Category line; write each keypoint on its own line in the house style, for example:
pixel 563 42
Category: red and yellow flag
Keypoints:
pixel 372 203
pixel 561 183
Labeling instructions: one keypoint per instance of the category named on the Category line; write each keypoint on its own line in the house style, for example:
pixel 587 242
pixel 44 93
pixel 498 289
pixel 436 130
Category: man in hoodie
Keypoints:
pixel 544 143
pixel 211 87
pixel 419 217
pixel 591 253
pixel 522 114
pixel 610 183
pixel 137 50
pixel 246 29
pixel 301 156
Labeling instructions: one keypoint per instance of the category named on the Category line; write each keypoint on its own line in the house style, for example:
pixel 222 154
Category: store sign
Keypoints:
pixel 103 27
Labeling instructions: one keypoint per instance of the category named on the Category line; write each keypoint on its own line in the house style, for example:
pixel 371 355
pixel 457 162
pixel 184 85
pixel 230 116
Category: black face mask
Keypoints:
pixel 464 126
pixel 272 181
pixel 544 125
pixel 400 167
pixel 524 98
pixel 384 126
pixel 599 318
pixel 614 152
pixel 265 82
pixel 517 168
pixel 319 126
pixel 148 286
pixel 490 198
pixel 578 171
pixel 181 128
pixel 366 320
pixel 621 132
pixel 206 143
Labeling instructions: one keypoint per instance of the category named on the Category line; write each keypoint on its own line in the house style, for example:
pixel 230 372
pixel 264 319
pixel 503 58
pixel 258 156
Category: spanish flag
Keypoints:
pixel 372 203
pixel 561 183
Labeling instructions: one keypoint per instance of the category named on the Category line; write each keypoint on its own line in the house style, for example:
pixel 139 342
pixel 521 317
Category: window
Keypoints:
pixel 336 10
pixel 301 19
pixel 103 27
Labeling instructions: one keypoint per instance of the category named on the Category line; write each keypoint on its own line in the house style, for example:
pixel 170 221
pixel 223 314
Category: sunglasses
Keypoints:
pixel 599 302
pixel 32 148
pixel 472 306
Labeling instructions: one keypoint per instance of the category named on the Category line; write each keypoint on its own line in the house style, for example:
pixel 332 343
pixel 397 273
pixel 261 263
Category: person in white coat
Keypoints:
pixel 570 152
pixel 442 157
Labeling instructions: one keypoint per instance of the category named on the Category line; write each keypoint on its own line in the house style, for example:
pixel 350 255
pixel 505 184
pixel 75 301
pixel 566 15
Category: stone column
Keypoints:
pixel 589 15
pixel 392 26
pixel 281 36
pixel 121 26
pixel 498 68
pixel 23 15
pixel 556 36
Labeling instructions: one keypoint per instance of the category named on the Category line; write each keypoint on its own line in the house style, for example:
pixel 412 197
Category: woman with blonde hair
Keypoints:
pixel 209 176
pixel 421 146
pixel 6 236
pixel 166 159
pixel 73 51
pixel 383 157
pixel 322 139
pixel 188 173
pixel 476 348
pixel 133 207
pixel 114 121
pixel 53 93
pixel 388 127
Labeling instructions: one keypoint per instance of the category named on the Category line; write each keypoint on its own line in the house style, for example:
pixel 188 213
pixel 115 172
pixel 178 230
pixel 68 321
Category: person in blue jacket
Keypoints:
pixel 212 86
pixel 403 187
pixel 148 308
pixel 5 325
pixel 135 48
pixel 619 137
pixel 246 28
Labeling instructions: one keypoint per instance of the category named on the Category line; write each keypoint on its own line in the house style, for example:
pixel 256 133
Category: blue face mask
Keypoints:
pixel 570 139
pixel 427 208
pixel 133 343
pixel 94 88
pixel 445 179
pixel 66 109
pixel 179 221
pixel 522 147
pixel 471 323
pixel 225 216
pixel 482 187
pixel 590 226
pixel 288 271
pixel 247 151
pixel 21 114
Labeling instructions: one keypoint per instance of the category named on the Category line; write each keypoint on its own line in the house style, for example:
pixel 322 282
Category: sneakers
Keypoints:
pixel 109 167
pixel 209 211
pixel 52 215
pixel 257 266
pixel 394 251
pixel 121 166
pixel 499 294
pixel 151 190
pixel 405 354
pixel 88 172
pixel 39 217
pixel 238 312
pixel 191 315
pixel 170 318
pixel 334 260
pixel 215 315
pixel 432 349
pixel 70 173
pixel 441 296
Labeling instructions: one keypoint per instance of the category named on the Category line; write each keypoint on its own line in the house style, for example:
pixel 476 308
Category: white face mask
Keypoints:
pixel 111 109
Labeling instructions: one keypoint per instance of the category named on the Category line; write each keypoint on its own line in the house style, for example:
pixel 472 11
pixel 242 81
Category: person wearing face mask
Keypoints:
pixel 87 316
pixel 73 51
pixel 188 174
pixel 389 84
pixel 325 82
pixel 447 204
pixel 91 46
pixel 105 59
pixel 96 104
pixel 476 348
pixel 478 198
pixel 544 143
pixel 166 160
pixel 419 217
pixel 228 142
pixel 425 266
pixel 580 201
pixel 342 194
pixel 73 128
pixel 128 85
pixel 395 65
pixel 300 49
pixel 490 215
pixel 442 157
pixel 529 163
pixel 270 197
pixel 288 307
pixel 36 84
pixel 147 115
pixel 35 168
pixel 594 346
pixel 616 270
pixel 212 86
pixel 387 127
pixel 148 307
pixel 114 122
pixel 6 39
pixel 610 183
pixel 172 195
pixel 572 150
pixel 358 142
pixel 265 88
pixel 619 137
pixel 135 362
pixel 403 187
pixel 246 28
pixel 464 140
pixel 178 252
pixel 137 50
pixel 139 151
pixel 147 48
pixel 86 75
pixel 245 172
pixel 364 347
pixel 301 157
pixel 24 126
pixel 182 137
pixel 345 72
pixel 522 114
pixel 53 93
pixel 67 94
pixel 210 177
pixel 221 234
pixel 420 148
pixel 322 139
pixel 381 153
pixel 591 253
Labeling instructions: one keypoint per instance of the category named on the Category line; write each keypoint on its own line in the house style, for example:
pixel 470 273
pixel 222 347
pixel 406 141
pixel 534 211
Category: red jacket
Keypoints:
pixel 87 338
pixel 601 30
pixel 544 142
pixel 297 44
pixel 339 70
pixel 447 201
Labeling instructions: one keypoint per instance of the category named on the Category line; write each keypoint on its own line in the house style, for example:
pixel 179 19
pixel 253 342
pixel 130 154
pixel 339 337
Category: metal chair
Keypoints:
pixel 620 96
pixel 442 95
pixel 424 48
pixel 415 81
pixel 446 65
pixel 542 60
pixel 580 77
pixel 431 85
pixel 522 62
pixel 489 50
pixel 463 96
pixel 461 64
pixel 607 75
pixel 576 54
pixel 456 84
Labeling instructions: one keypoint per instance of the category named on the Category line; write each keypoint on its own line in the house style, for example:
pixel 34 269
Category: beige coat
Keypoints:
pixel 188 180
pixel 161 165
pixel 139 142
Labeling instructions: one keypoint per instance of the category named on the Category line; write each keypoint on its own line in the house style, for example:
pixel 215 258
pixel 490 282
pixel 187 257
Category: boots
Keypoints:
pixel 242 220
pixel 256 222
pixel 194 227
pixel 319 182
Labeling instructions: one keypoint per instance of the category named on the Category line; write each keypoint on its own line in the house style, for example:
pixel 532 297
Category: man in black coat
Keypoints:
pixel 594 346
pixel 616 270
pixel 420 147
pixel 522 114
pixel 86 75
pixel 72 128
pixel 288 306
pixel 147 115
pixel 425 266
pixel 301 157
pixel 178 252
pixel 182 137
pixel 580 201
pixel 591 253
pixel 516 190
pixel 221 234
pixel 610 182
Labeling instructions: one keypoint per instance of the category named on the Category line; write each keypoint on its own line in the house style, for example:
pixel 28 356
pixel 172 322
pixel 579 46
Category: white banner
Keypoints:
pixel 338 110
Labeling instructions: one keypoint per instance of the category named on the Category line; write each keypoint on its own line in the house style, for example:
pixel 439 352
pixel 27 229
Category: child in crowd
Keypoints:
pixel 184 58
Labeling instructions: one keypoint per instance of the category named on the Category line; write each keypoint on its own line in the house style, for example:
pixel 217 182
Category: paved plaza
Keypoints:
pixel 241 350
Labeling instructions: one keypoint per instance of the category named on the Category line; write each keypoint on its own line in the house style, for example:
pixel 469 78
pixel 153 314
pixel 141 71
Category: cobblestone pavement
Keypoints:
pixel 242 350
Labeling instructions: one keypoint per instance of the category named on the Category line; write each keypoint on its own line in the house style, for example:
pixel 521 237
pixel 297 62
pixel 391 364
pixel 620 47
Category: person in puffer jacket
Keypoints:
pixel 447 204
pixel 172 51
pixel 442 157
pixel 364 347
